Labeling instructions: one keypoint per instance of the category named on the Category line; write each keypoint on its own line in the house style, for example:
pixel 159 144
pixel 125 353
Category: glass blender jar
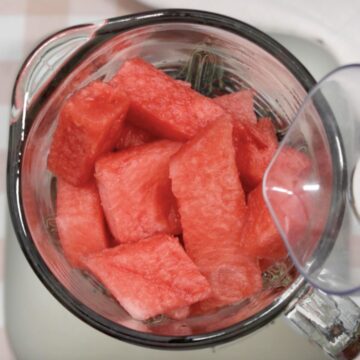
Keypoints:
pixel 203 48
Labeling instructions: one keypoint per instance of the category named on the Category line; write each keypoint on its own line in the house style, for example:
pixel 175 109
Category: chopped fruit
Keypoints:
pixel 212 208
pixel 162 105
pixel 89 126
pixel 255 146
pixel 133 136
pixel 80 221
pixel 169 161
pixel 239 104
pixel 260 237
pixel 135 191
pixel 301 212
pixel 179 314
pixel 150 277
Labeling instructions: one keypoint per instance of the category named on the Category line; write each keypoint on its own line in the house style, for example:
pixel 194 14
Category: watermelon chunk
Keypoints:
pixel 133 136
pixel 239 104
pixel 260 237
pixel 135 191
pixel 149 277
pixel 302 214
pixel 255 146
pixel 179 314
pixel 290 166
pixel 162 105
pixel 80 221
pixel 266 127
pixel 231 283
pixel 89 125
pixel 212 207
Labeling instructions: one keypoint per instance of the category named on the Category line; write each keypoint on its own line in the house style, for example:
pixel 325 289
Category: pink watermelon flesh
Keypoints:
pixel 80 221
pixel 133 136
pixel 149 277
pixel 302 214
pixel 255 145
pixel 231 283
pixel 162 105
pixel 222 236
pixel 89 126
pixel 212 208
pixel 260 237
pixel 135 191
pixel 179 314
pixel 239 104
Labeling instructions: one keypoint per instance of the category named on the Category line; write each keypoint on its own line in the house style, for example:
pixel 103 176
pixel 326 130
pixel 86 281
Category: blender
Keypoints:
pixel 73 57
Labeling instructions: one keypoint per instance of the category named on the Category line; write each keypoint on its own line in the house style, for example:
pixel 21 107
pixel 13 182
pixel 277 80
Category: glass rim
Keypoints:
pixel 112 27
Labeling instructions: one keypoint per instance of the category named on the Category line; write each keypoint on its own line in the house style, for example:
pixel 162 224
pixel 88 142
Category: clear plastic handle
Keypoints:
pixel 312 185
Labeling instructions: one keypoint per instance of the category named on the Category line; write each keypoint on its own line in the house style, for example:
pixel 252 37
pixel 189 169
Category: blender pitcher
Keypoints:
pixel 218 55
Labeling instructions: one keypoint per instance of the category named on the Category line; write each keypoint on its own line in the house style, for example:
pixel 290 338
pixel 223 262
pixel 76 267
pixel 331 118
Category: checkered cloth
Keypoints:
pixel 23 23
